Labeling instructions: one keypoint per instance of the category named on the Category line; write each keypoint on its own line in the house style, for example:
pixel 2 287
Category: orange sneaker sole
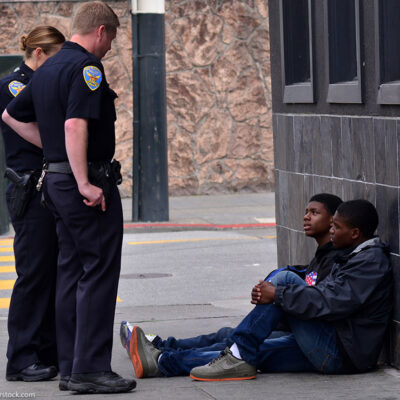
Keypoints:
pixel 223 379
pixel 133 352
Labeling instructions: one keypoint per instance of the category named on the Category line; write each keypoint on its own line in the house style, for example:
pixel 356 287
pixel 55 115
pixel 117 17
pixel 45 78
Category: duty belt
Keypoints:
pixel 110 169
pixel 59 167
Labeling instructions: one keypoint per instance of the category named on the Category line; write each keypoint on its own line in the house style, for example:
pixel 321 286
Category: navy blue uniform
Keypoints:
pixel 31 324
pixel 71 84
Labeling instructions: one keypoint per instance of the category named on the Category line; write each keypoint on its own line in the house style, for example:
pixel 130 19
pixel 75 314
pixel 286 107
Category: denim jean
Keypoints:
pixel 279 353
pixel 316 339
pixel 311 346
pixel 211 342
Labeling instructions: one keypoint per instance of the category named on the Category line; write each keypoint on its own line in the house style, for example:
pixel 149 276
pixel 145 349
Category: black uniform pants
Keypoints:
pixel 31 319
pixel 89 264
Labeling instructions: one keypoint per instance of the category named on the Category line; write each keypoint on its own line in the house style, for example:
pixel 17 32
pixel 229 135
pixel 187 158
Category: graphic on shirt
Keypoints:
pixel 15 87
pixel 311 278
pixel 92 76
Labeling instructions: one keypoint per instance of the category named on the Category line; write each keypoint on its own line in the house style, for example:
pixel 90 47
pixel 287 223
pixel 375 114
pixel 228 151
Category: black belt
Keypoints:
pixel 62 167
pixel 110 169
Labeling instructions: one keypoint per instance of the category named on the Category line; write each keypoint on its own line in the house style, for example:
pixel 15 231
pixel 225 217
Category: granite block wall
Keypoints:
pixel 352 157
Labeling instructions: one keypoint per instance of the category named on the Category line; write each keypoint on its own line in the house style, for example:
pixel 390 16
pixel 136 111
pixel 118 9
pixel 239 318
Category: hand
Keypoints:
pixel 93 195
pixel 263 293
pixel 256 293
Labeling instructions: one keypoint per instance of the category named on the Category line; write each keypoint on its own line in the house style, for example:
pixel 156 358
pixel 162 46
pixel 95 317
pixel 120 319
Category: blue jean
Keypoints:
pixel 311 346
pixel 316 339
pixel 213 341
pixel 278 353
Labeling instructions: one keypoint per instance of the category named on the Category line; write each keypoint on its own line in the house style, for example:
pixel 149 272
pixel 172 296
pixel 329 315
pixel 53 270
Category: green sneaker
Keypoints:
pixel 226 367
pixel 144 355
pixel 125 335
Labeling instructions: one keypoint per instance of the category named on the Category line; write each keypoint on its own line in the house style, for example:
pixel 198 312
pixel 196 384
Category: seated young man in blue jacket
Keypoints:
pixel 278 354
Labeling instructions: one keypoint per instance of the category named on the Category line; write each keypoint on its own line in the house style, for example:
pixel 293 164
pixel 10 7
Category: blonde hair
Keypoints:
pixel 91 15
pixel 44 36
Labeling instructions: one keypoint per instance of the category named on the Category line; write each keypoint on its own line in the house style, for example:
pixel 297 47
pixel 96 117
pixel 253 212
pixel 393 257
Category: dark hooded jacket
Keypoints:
pixel 323 261
pixel 356 297
pixel 321 264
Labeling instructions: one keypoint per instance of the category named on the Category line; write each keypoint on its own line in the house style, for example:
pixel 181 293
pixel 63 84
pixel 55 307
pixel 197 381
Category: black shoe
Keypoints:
pixel 63 384
pixel 100 382
pixel 33 373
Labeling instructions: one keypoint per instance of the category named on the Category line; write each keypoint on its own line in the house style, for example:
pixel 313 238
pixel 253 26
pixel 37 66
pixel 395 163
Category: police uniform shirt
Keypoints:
pixel 20 154
pixel 71 84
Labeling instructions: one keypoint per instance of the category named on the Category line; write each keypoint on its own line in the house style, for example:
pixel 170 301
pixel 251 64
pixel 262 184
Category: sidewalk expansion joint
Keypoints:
pixel 199 389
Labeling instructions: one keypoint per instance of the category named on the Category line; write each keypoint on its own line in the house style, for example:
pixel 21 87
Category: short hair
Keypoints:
pixel 43 36
pixel 330 201
pixel 93 14
pixel 360 214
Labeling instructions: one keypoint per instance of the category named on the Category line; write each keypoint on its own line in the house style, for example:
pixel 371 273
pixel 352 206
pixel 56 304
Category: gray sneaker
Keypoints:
pixel 226 367
pixel 144 355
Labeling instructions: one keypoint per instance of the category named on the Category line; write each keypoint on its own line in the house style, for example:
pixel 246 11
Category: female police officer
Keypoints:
pixel 31 348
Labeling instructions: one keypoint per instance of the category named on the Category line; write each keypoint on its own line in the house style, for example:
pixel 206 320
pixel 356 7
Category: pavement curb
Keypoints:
pixel 169 227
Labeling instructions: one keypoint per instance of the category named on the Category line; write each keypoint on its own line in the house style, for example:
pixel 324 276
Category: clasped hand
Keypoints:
pixel 263 293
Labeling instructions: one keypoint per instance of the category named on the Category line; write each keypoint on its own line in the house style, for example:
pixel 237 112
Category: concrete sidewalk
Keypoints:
pixel 224 211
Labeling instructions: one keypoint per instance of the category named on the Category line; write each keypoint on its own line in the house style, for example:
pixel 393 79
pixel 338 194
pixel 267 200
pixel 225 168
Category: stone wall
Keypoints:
pixel 218 88
pixel 218 96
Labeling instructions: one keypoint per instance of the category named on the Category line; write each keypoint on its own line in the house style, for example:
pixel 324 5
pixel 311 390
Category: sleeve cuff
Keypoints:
pixel 278 297
pixel 20 118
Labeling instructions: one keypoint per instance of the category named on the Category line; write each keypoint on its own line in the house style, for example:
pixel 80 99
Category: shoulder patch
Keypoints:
pixel 15 87
pixel 92 76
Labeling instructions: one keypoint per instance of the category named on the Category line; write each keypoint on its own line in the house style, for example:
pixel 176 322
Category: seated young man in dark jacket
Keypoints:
pixel 338 325
pixel 180 356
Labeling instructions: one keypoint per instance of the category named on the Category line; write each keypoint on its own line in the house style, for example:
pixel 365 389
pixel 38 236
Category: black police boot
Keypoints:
pixel 63 384
pixel 100 382
pixel 33 373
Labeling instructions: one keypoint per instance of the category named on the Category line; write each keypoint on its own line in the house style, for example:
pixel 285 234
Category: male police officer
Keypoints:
pixel 73 105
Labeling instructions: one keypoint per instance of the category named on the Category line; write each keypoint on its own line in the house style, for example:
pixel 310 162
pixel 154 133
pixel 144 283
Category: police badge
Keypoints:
pixel 92 76
pixel 15 87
